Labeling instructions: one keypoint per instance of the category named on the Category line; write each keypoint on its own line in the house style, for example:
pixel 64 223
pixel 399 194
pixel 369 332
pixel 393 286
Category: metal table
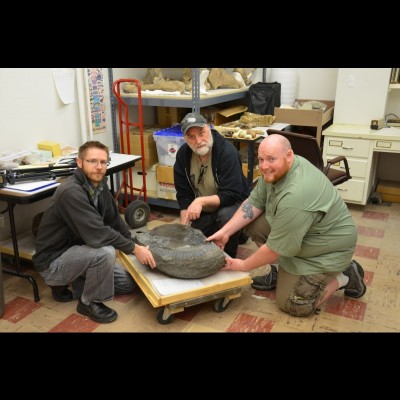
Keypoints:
pixel 119 162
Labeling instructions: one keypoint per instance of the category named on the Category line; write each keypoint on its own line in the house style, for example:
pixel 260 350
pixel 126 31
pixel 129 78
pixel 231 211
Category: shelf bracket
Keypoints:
pixel 196 90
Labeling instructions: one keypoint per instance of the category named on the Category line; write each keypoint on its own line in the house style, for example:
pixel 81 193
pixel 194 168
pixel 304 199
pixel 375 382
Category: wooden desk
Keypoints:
pixel 363 149
pixel 119 162
pixel 251 145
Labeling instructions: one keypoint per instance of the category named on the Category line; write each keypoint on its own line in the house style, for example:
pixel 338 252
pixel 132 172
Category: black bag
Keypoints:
pixel 263 97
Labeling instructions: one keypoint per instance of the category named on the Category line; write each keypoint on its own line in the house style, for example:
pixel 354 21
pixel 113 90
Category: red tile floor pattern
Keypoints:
pixel 250 323
pixel 368 231
pixel 367 252
pixel 378 216
pixel 75 323
pixel 18 308
pixel 249 311
pixel 346 307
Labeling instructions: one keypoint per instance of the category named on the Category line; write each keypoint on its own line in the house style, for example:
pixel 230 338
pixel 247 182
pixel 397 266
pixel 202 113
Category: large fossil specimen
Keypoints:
pixel 181 251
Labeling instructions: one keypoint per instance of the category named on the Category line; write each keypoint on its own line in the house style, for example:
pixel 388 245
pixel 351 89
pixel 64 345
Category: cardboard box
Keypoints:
pixel 150 148
pixel 50 146
pixel 218 116
pixel 389 190
pixel 305 117
pixel 137 176
pixel 165 173
pixel 315 118
pixel 168 116
pixel 137 181
pixel 166 191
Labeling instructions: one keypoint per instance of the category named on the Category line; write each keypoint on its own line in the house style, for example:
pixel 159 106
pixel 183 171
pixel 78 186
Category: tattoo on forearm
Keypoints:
pixel 247 209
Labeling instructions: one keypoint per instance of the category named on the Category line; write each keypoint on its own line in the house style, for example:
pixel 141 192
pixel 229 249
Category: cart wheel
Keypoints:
pixel 160 317
pixel 137 214
pixel 219 305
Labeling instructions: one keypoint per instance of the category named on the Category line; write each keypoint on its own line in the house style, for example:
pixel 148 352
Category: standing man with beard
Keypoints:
pixel 209 181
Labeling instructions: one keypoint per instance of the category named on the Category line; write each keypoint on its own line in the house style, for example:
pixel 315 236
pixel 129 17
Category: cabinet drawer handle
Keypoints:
pixel 347 148
pixel 342 190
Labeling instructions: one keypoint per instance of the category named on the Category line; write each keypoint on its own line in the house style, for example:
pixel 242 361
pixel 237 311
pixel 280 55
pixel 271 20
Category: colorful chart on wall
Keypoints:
pixel 96 93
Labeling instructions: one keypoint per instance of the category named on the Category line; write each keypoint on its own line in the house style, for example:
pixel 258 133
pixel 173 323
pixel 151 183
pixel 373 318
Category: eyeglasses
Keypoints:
pixel 103 163
pixel 203 170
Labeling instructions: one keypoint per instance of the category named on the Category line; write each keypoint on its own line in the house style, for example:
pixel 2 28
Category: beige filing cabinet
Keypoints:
pixel 362 147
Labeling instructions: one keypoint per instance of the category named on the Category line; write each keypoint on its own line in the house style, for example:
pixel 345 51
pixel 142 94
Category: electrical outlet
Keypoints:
pixel 377 123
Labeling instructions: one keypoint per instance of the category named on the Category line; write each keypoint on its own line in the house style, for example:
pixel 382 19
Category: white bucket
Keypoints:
pixel 287 77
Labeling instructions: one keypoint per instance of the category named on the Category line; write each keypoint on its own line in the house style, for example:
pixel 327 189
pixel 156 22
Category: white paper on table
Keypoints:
pixel 276 125
pixel 31 186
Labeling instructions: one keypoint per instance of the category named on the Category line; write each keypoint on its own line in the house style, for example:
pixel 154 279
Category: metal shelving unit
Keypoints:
pixel 187 101
pixel 195 101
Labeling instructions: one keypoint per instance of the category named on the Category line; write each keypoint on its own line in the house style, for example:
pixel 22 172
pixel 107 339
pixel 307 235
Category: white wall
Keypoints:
pixel 31 110
pixel 314 83
pixel 317 83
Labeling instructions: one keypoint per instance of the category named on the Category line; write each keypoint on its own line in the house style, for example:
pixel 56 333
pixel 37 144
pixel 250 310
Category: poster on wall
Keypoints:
pixel 96 94
pixel 64 79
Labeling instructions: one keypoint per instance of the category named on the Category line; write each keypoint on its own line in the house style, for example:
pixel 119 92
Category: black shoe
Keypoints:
pixel 61 293
pixel 356 286
pixel 98 312
pixel 266 282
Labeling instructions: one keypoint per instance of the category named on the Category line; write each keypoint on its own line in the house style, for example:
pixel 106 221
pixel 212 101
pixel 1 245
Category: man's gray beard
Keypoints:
pixel 202 151
pixel 205 149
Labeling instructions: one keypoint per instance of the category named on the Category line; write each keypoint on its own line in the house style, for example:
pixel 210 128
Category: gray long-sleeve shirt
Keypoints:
pixel 72 219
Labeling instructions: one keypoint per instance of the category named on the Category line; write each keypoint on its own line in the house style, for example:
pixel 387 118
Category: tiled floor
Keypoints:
pixel 378 251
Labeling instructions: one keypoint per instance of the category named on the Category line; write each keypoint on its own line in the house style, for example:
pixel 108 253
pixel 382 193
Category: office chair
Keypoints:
pixel 307 147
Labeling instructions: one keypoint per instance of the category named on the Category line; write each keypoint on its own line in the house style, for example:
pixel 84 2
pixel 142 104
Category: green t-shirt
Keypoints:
pixel 311 227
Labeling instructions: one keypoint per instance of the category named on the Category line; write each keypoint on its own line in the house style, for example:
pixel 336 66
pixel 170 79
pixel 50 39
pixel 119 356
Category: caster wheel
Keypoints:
pixel 137 214
pixel 219 305
pixel 160 317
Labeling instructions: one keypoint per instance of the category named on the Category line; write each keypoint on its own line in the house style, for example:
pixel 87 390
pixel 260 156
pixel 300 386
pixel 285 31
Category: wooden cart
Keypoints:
pixel 172 295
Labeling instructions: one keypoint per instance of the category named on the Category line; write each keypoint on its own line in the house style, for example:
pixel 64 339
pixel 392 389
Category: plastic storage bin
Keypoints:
pixel 168 142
